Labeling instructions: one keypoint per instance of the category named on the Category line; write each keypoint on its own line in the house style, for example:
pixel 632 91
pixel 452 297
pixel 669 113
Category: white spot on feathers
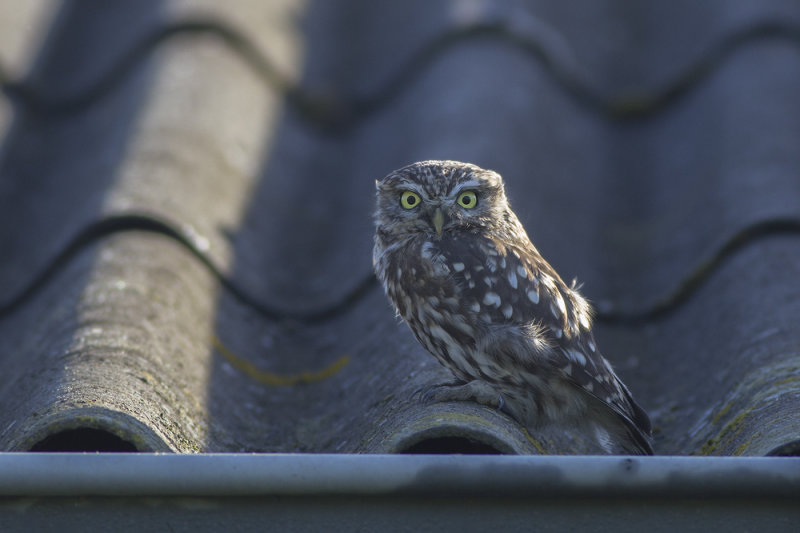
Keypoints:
pixel 576 357
pixel 512 279
pixel 560 303
pixel 533 296
pixel 427 250
pixel 492 298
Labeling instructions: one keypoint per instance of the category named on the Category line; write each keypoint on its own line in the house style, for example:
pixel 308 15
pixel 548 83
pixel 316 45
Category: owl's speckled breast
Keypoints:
pixel 421 285
pixel 417 275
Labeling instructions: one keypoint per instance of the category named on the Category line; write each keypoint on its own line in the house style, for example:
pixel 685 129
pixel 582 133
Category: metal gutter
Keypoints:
pixel 419 493
pixel 57 474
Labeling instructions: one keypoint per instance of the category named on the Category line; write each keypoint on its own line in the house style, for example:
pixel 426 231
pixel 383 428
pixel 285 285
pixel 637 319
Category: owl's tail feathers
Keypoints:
pixel 618 435
pixel 638 425
pixel 622 428
pixel 631 425
pixel 636 442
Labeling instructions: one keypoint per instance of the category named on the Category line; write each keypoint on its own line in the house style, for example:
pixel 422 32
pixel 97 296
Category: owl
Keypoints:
pixel 459 268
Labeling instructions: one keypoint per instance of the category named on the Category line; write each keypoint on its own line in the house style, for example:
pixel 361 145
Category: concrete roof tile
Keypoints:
pixel 200 197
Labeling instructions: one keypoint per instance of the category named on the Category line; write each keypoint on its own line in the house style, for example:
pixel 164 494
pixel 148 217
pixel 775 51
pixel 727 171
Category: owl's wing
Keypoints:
pixel 506 283
pixel 590 372
pixel 510 284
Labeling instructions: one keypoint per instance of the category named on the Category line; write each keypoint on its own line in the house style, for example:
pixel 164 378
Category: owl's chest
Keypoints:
pixel 418 277
pixel 469 274
pixel 423 288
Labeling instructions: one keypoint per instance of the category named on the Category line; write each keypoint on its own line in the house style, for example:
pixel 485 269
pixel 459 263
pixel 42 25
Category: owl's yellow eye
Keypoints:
pixel 409 200
pixel 468 199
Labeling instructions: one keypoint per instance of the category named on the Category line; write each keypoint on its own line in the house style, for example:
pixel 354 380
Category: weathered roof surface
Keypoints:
pixel 185 214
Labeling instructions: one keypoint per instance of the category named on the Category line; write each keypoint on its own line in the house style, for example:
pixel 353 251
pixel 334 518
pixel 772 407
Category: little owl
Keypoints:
pixel 459 268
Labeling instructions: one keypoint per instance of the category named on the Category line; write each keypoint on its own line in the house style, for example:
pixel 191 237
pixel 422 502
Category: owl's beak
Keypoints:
pixel 438 221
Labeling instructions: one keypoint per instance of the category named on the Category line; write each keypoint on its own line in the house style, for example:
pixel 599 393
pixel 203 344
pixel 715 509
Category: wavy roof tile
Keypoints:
pixel 186 196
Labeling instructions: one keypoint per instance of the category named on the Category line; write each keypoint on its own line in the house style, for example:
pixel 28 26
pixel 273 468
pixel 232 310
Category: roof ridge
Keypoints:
pixel 343 112
pixel 606 311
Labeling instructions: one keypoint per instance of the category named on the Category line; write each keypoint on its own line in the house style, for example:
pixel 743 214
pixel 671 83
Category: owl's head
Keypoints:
pixel 434 197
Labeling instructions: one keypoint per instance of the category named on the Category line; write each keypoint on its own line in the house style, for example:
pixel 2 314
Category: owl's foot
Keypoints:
pixel 476 391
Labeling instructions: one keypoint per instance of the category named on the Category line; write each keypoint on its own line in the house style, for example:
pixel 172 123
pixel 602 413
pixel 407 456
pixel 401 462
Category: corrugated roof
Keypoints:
pixel 185 214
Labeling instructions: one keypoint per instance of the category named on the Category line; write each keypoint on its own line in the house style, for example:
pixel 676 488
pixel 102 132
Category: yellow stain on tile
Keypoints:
pixel 273 379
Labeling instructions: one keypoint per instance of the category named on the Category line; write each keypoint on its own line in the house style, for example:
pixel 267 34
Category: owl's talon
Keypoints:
pixel 426 397
pixel 426 394
pixel 476 391
pixel 417 393
pixel 435 393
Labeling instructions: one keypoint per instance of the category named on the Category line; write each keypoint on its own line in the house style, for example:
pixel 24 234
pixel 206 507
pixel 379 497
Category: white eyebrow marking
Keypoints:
pixel 471 184
pixel 408 185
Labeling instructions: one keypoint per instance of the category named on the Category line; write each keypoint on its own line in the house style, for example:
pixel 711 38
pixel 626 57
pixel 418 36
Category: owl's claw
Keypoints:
pixel 477 391
pixel 428 396
pixel 431 394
